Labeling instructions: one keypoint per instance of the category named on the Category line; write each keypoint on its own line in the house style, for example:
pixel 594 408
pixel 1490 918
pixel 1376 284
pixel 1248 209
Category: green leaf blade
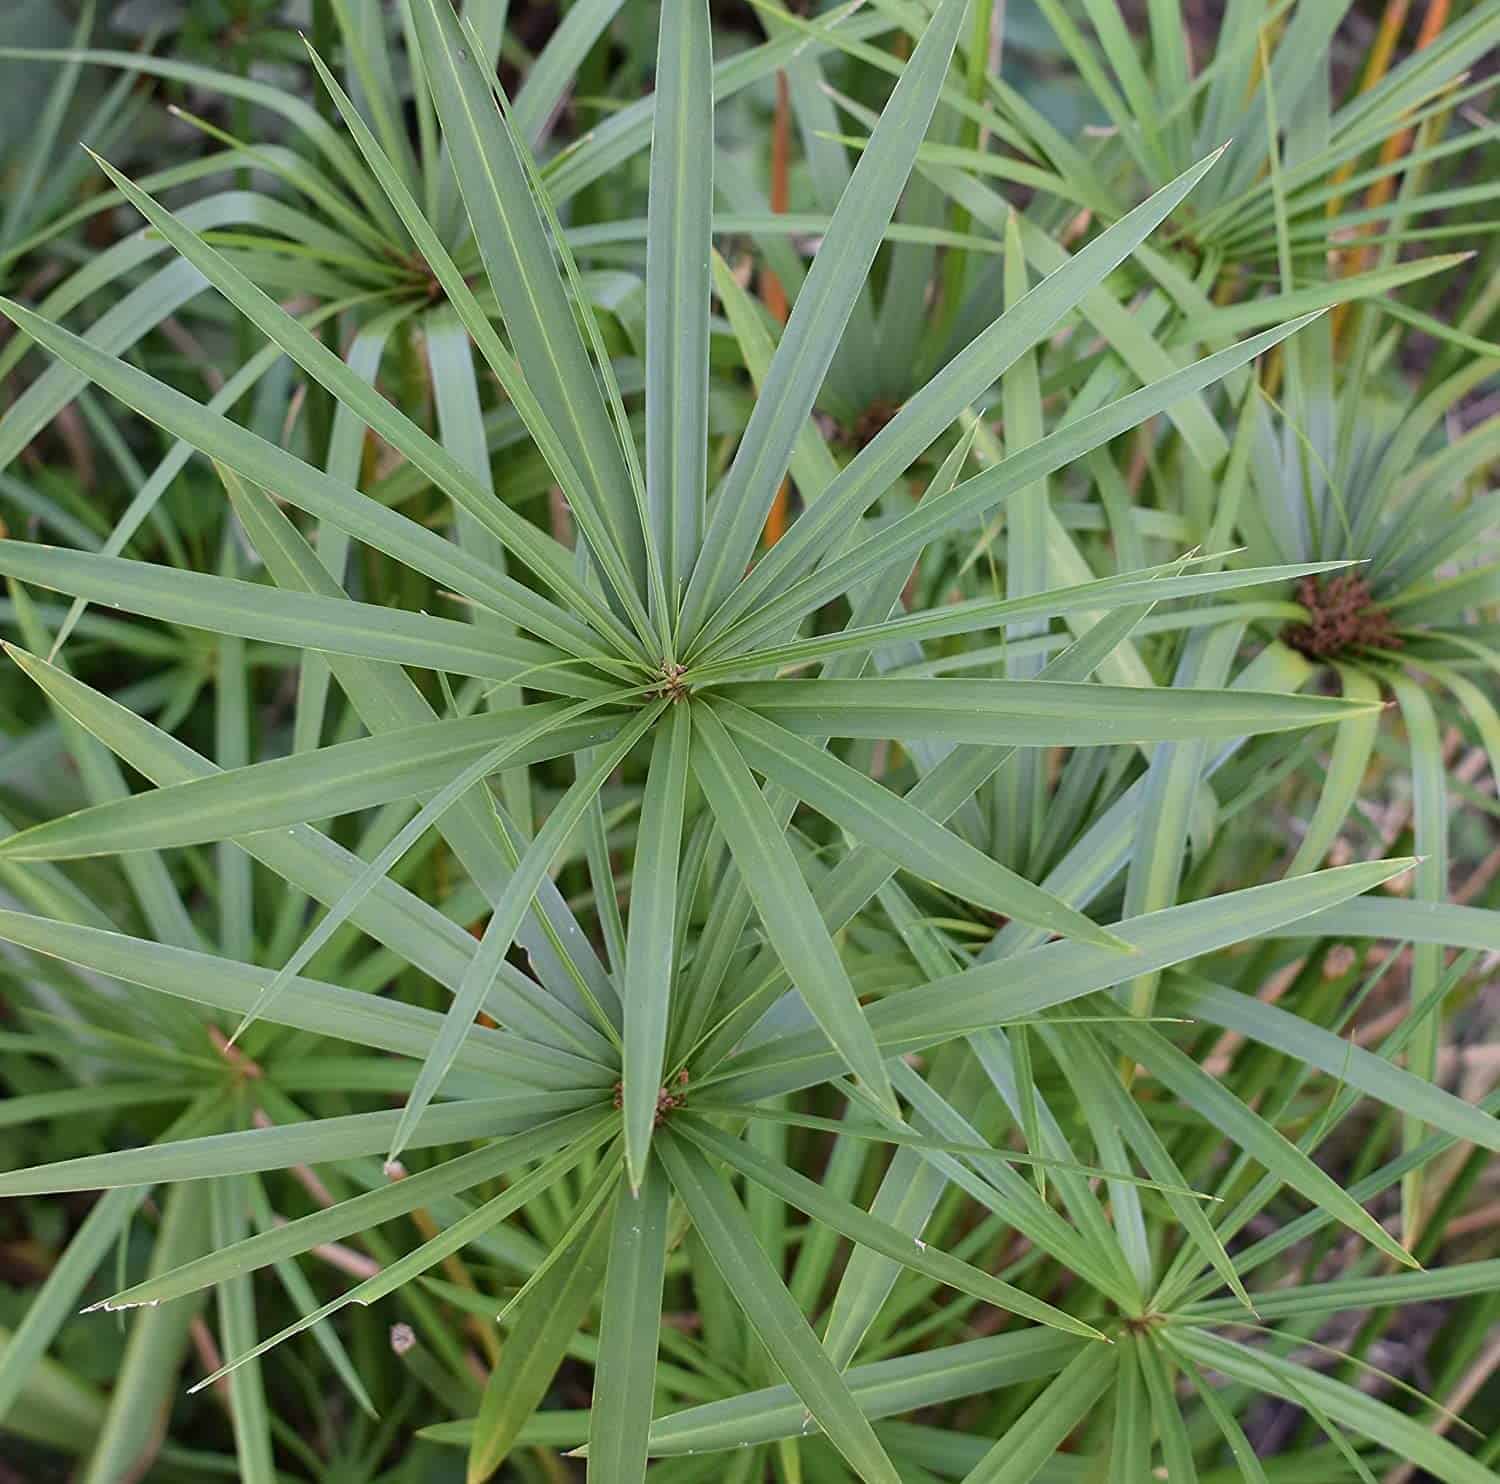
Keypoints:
pixel 651 937
pixel 775 882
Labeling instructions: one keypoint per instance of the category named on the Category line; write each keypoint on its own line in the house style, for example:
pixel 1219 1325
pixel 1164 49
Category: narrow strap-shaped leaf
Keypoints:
pixel 854 375
pixel 811 462
pixel 262 463
pixel 249 610
pixel 1029 1443
pixel 773 228
pixel 1264 1371
pixel 1409 563
pixel 1415 921
pixel 582 499
pixel 856 879
pixel 299 1289
pixel 361 1212
pixel 860 1226
pixel 1018 794
pixel 144 502
pixel 104 785
pixel 1251 1470
pixel 882 1389
pixel 541 552
pixel 1348 1062
pixel 1254 314
pixel 1130 1439
pixel 783 901
pixel 817 319
pixel 375 870
pixel 386 699
pixel 973 615
pixel 552 75
pixel 651 936
pixel 1420 75
pixel 1299 54
pixel 510 911
pixel 229 210
pixel 1247 1130
pixel 519 264
pixel 1119 46
pixel 195 169
pixel 884 820
pixel 1159 853
pixel 935 405
pixel 43 133
pixel 461 426
pixel 1337 1295
pixel 620 1421
pixel 621 135
pixel 730 910
pixel 1087 1246
pixel 904 538
pixel 583 302
pixel 323 1009
pixel 1026 713
pixel 443 202
pixel 313 785
pixel 292 106
pixel 757 1288
pixel 1123 1232
pixel 1289 1233
pixel 1075 1049
pixel 678 288
pixel 1113 1249
pixel 1166 1411
pixel 943 791
pixel 452 1239
pixel 55 1300
pixel 1479 708
pixel 1350 755
pixel 121 326
pixel 543 1325
pixel 1430 830
pixel 390 914
pixel 279 1146
pixel 1091 70
pixel 232 745
pixel 343 460
pixel 1089 864
pixel 1009 989
pixel 602 879
pixel 146 1375
pixel 247 1390
pixel 813 466
pixel 909 1192
pixel 368 67
pixel 1127 331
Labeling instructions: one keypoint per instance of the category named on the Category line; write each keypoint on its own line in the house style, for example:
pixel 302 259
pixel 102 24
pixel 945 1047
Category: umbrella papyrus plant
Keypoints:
pixel 614 1060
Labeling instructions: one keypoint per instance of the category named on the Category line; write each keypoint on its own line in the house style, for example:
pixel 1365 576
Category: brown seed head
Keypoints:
pixel 672 687
pixel 1341 615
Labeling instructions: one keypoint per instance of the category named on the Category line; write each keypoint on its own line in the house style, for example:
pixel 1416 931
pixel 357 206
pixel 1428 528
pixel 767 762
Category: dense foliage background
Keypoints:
pixel 761 735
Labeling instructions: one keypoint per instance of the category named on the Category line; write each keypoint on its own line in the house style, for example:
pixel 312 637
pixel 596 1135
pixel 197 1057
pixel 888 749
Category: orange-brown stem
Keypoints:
pixel 772 294
pixel 1434 18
